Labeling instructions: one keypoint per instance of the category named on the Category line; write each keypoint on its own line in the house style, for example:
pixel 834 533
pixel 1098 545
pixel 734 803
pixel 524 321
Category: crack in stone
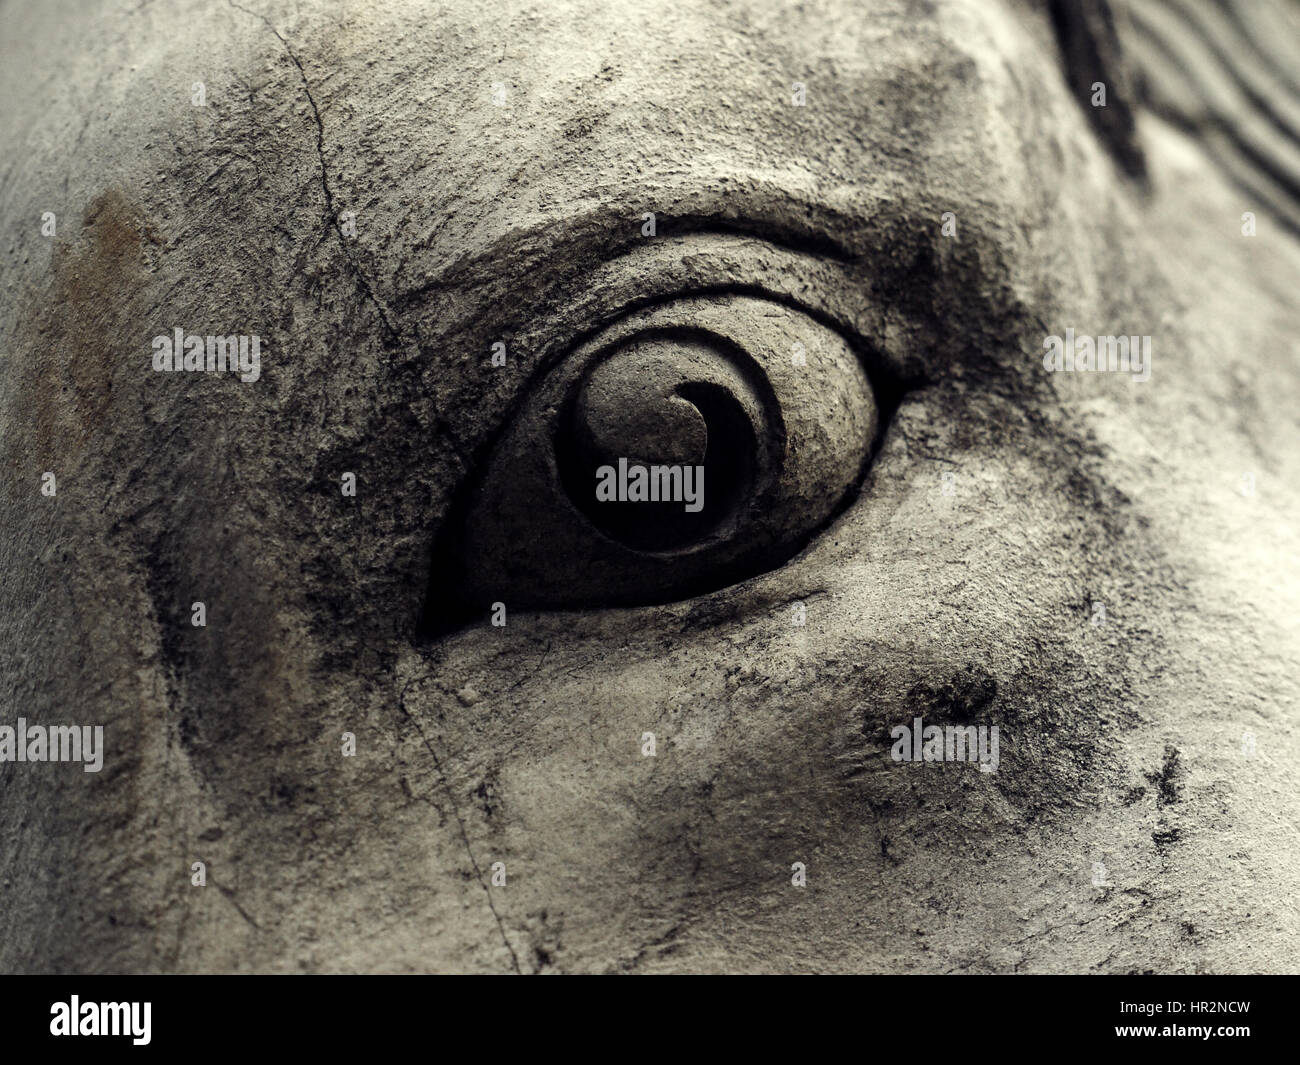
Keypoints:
pixel 394 336
pixel 230 897
pixel 464 835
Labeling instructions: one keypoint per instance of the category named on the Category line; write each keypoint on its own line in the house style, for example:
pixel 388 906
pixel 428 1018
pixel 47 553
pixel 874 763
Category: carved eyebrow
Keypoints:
pixel 606 233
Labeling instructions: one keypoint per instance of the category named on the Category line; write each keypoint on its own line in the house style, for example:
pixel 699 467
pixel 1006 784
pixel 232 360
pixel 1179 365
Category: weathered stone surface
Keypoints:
pixel 967 599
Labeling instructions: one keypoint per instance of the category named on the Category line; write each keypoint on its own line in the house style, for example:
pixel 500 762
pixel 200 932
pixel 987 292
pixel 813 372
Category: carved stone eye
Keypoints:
pixel 685 447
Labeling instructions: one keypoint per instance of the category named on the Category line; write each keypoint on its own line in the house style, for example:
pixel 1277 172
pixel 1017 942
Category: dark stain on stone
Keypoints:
pixel 960 698
pixel 486 794
pixel 1165 838
pixel 1165 780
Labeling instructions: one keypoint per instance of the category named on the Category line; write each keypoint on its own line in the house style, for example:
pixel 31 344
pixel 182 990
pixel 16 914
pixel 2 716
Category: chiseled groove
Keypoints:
pixel 1213 81
pixel 1265 39
pixel 1266 93
pixel 1197 84
pixel 1260 141
pixel 1263 190
pixel 1228 157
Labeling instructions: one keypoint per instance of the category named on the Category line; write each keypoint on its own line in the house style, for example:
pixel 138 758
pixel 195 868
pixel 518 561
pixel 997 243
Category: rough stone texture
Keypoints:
pixel 477 223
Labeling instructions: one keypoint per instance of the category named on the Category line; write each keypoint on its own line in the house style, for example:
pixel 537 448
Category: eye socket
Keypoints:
pixel 685 447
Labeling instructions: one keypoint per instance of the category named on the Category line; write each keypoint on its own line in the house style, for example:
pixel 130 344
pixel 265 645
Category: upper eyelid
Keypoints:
pixel 703 262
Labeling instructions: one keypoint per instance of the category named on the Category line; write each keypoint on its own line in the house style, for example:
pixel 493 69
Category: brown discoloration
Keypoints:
pixel 75 336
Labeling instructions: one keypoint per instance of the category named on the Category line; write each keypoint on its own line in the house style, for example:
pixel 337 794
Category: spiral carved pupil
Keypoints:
pixel 662 443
